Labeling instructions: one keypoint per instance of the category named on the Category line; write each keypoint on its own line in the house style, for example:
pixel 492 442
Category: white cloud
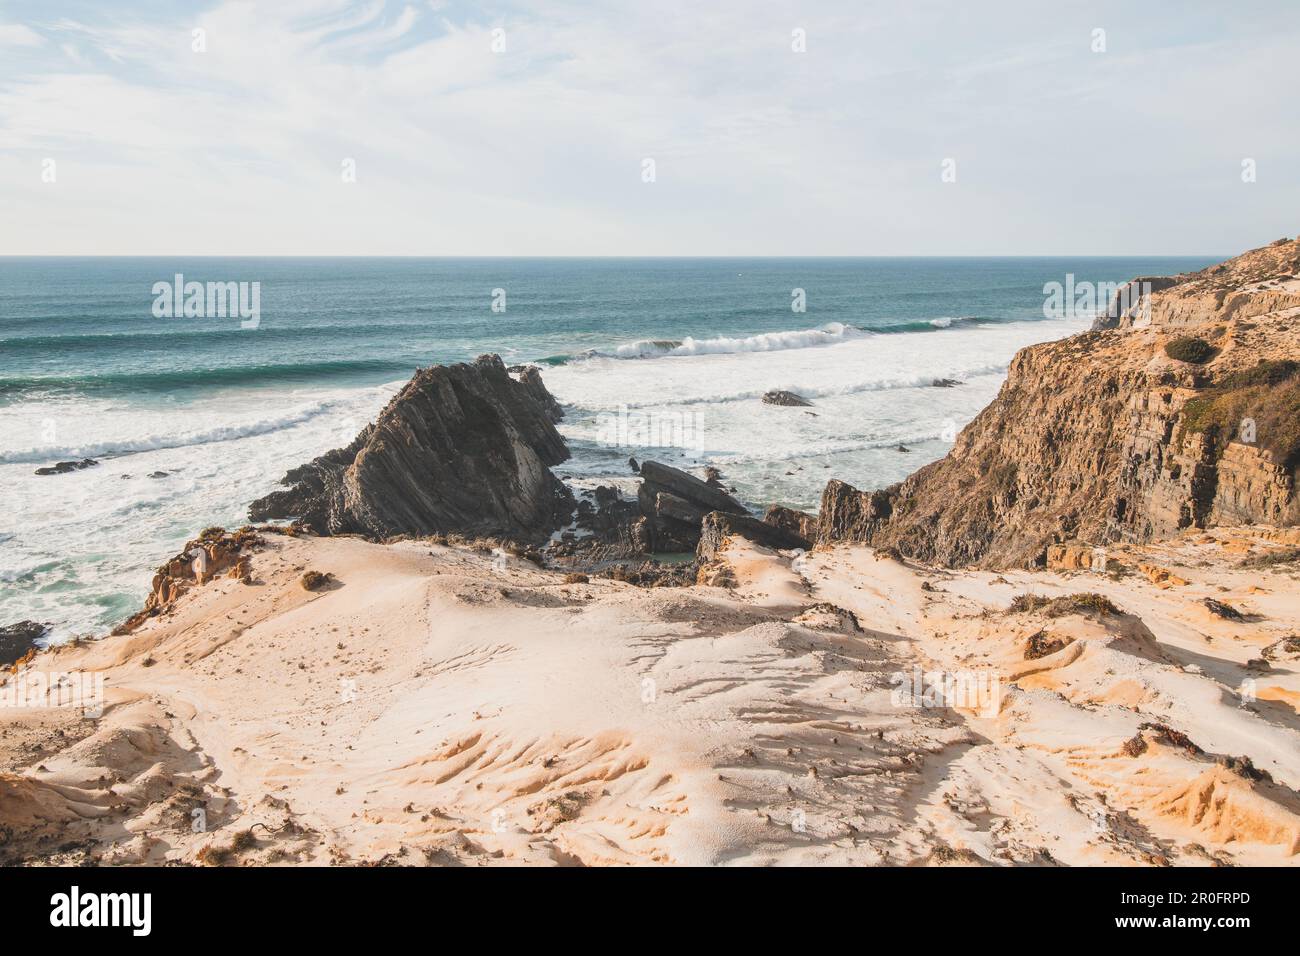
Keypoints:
pixel 759 150
pixel 15 34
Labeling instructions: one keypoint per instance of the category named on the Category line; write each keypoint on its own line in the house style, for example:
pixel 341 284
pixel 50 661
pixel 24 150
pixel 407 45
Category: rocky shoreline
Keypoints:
pixel 1099 439
pixel 440 655
pixel 466 450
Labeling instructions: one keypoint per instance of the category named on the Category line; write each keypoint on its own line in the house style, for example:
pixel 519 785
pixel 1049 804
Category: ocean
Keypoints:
pixel 192 418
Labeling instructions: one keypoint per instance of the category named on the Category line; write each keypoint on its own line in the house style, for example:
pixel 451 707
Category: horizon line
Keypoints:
pixel 240 255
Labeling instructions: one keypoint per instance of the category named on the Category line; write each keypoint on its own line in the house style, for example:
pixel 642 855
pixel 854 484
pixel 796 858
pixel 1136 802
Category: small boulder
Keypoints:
pixel 1225 611
pixel 781 397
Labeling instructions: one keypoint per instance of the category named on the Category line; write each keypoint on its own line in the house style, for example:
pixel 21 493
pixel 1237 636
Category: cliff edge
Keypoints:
pixel 1186 414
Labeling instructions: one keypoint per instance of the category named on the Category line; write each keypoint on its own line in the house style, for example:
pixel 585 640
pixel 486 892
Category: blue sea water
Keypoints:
pixel 191 418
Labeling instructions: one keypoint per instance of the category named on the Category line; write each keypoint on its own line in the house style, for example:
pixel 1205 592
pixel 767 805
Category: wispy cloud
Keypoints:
pixel 233 139
pixel 15 34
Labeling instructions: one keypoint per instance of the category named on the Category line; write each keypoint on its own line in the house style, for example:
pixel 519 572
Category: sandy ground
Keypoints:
pixel 435 707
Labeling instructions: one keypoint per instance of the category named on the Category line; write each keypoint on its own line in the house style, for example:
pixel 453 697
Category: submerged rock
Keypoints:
pixel 63 467
pixel 462 448
pixel 782 397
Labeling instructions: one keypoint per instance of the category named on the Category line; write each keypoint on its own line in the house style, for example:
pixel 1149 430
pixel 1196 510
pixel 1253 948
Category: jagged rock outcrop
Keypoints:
pixel 462 448
pixel 796 522
pixel 18 640
pixel 530 377
pixel 1103 437
pixel 717 526
pixel 675 503
pixel 224 554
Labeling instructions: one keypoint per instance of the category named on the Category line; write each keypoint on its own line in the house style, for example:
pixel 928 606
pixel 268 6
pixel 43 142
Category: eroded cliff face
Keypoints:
pixel 1104 437
pixel 1254 284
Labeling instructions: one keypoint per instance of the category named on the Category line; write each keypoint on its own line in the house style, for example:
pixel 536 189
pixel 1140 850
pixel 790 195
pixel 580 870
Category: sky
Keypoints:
pixel 727 128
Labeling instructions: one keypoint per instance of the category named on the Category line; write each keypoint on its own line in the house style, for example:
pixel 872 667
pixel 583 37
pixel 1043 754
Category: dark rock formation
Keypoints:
pixel 1226 611
pixel 615 531
pixel 674 503
pixel 780 397
pixel 530 377
pixel 462 448
pixel 944 382
pixel 847 514
pixel 63 467
pixel 17 639
pixel 796 522
pixel 717 526
pixel 1101 437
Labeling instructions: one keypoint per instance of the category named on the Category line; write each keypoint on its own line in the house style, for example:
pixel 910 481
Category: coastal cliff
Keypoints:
pixel 1186 414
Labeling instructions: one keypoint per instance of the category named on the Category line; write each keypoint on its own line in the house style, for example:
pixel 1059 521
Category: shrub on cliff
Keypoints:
pixel 1267 396
pixel 1187 348
pixel 1272 372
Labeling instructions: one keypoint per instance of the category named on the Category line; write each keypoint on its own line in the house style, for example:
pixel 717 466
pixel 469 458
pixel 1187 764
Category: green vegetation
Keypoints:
pixel 1272 372
pixel 1187 348
pixel 1268 395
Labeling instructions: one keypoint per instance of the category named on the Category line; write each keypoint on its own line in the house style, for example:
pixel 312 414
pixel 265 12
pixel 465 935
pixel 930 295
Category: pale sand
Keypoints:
pixel 502 716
